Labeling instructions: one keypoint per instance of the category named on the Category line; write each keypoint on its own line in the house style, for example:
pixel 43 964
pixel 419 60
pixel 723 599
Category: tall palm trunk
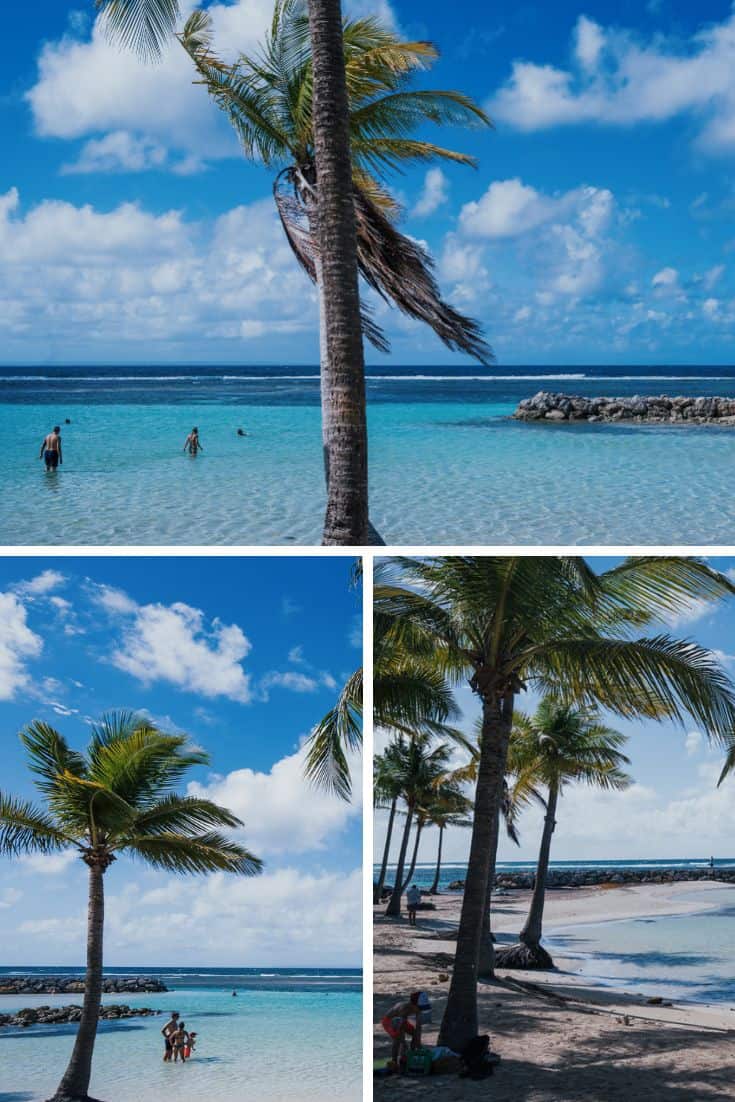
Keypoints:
pixel 346 519
pixel 394 903
pixel 378 887
pixel 459 1024
pixel 530 936
pixel 486 959
pixel 437 872
pixel 74 1086
pixel 419 828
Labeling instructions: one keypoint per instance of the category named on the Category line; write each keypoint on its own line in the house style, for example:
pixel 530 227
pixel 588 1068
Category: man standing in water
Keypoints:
pixel 168 1031
pixel 192 443
pixel 51 449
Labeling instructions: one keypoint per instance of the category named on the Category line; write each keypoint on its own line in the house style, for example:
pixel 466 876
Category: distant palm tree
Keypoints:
pixel 450 808
pixel 558 746
pixel 118 798
pixel 503 622
pixel 418 768
pixel 386 793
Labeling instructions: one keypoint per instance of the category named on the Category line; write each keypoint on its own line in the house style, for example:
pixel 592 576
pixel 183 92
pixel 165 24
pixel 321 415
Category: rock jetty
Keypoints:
pixel 56 1015
pixel 582 878
pixel 73 985
pixel 647 409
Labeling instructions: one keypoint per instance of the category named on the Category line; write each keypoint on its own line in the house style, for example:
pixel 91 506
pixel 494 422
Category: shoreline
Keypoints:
pixel 562 1035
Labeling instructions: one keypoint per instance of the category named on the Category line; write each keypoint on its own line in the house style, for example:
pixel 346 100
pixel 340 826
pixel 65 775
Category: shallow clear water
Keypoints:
pixel 688 957
pixel 447 465
pixel 297 1043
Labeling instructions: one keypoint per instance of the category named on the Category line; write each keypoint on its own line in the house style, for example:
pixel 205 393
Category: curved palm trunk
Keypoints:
pixel 394 903
pixel 378 887
pixel 437 873
pixel 74 1085
pixel 419 828
pixel 343 372
pixel 459 1024
pixel 532 930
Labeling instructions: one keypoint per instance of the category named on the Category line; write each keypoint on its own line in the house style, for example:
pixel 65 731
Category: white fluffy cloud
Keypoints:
pixel 279 814
pixel 434 193
pixel 85 277
pixel 618 79
pixel 41 584
pixel 176 644
pixel 17 644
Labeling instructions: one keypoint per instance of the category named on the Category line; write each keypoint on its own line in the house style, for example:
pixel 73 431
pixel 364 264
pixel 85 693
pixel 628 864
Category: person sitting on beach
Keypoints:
pixel 397 1025
pixel 170 1028
pixel 51 449
pixel 413 898
pixel 189 1048
pixel 179 1042
pixel 193 444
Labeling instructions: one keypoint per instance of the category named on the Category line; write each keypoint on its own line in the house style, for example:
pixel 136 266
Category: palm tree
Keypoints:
pixel 144 26
pixel 386 793
pixel 118 798
pixel 418 768
pixel 326 91
pixel 504 622
pixel 557 746
pixel 450 808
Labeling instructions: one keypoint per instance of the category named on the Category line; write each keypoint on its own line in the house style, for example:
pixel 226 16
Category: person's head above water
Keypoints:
pixel 195 430
pixel 57 428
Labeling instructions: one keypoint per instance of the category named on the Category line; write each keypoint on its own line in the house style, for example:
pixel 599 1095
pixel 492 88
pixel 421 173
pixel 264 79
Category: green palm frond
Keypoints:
pixel 144 25
pixel 186 853
pixel 49 754
pixel 339 732
pixel 26 829
pixel 183 815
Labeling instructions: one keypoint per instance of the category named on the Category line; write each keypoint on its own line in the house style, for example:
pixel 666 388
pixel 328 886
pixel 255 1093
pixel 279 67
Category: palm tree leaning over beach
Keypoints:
pixel 450 808
pixel 558 746
pixel 118 798
pixel 321 90
pixel 505 622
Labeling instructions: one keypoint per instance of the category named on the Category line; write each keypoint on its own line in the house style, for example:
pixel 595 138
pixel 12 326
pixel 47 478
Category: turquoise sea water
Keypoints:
pixel 289 1035
pixel 447 465
pixel 685 957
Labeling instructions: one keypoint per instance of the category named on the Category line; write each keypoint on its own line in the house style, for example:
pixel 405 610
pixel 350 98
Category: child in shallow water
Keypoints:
pixel 189 1048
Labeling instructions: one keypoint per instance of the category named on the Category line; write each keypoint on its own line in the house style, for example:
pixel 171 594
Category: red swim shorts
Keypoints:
pixel 392 1026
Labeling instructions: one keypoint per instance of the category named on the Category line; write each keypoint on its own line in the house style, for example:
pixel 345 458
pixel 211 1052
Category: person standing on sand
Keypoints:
pixel 398 1026
pixel 168 1030
pixel 193 444
pixel 51 449
pixel 413 898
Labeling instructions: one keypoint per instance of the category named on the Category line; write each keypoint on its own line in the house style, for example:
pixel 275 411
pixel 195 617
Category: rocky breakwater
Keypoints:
pixel 648 409
pixel 582 878
pixel 57 1015
pixel 73 985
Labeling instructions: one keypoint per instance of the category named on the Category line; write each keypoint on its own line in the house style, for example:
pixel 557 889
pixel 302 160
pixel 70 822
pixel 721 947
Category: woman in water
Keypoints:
pixel 193 444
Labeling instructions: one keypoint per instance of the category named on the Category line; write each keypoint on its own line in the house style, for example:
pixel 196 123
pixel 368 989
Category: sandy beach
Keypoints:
pixel 561 1037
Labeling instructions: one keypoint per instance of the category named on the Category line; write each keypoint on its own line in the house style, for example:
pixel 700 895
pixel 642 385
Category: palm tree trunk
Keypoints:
pixel 346 519
pixel 378 888
pixel 459 1024
pixel 530 935
pixel 394 903
pixel 486 959
pixel 435 886
pixel 419 828
pixel 74 1085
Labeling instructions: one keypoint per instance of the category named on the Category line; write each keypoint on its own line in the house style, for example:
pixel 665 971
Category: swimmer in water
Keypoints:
pixel 193 444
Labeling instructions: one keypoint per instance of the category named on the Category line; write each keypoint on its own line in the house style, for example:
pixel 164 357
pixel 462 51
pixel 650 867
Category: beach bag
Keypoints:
pixel 477 1059
pixel 418 1061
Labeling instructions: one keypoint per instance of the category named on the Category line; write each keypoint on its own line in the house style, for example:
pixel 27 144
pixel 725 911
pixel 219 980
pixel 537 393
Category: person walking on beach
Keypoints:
pixel 193 444
pixel 168 1030
pixel 51 449
pixel 413 898
pixel 398 1025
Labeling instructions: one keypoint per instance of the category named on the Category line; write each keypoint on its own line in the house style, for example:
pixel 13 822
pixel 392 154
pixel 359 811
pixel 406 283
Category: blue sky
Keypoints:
pixel 245 655
pixel 596 229
pixel 673 808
